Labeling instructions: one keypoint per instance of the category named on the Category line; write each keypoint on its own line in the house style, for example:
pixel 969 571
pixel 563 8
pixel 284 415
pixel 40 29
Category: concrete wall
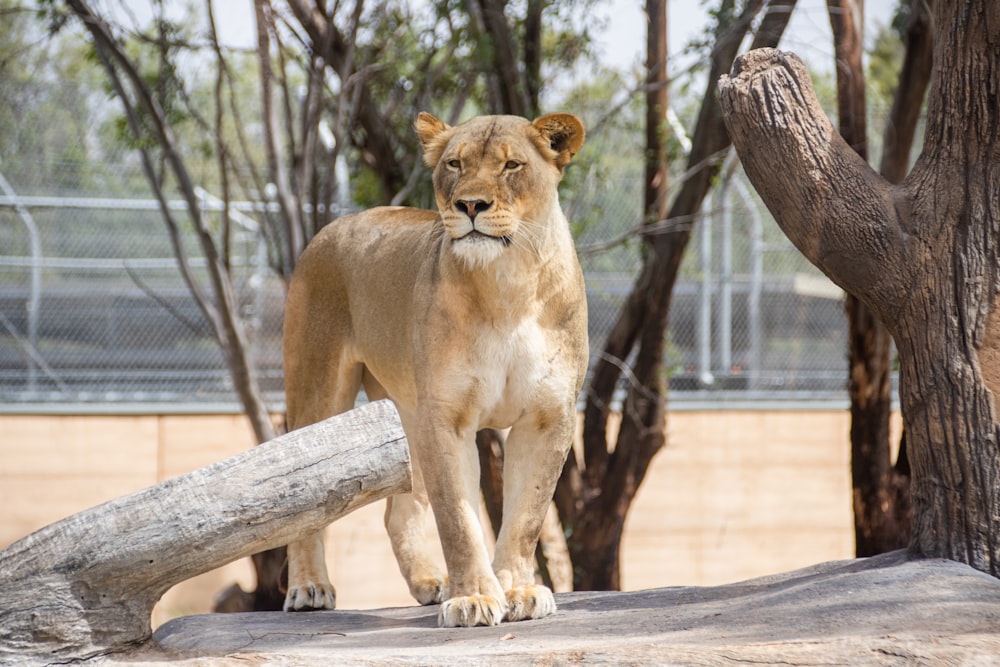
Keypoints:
pixel 734 495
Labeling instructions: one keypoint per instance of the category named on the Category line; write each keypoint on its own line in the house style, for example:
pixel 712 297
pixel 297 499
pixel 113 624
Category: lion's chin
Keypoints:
pixel 476 249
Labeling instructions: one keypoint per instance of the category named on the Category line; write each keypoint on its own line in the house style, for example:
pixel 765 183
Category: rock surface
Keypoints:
pixel 887 610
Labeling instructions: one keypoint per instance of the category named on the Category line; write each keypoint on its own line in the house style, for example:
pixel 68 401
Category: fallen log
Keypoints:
pixel 86 585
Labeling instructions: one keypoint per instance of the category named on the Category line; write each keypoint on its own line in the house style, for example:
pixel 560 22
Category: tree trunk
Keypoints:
pixel 922 255
pixel 895 528
pixel 869 342
pixel 882 508
pixel 533 56
pixel 86 586
pixel 594 496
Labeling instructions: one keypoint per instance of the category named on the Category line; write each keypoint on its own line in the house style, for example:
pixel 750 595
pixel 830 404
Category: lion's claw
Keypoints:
pixel 430 590
pixel 470 610
pixel 310 597
pixel 529 602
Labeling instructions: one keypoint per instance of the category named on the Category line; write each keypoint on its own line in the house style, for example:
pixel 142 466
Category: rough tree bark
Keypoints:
pixel 900 130
pixel 86 586
pixel 594 495
pixel 922 255
pixel 882 509
pixel 869 342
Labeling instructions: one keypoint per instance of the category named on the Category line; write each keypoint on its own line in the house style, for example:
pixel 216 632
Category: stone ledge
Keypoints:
pixel 885 610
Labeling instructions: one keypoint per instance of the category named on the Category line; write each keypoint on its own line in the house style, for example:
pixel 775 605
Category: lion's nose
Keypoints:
pixel 472 207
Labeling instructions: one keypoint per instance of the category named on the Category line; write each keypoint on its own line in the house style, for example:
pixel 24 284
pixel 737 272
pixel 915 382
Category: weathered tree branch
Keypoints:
pixel 836 210
pixel 86 585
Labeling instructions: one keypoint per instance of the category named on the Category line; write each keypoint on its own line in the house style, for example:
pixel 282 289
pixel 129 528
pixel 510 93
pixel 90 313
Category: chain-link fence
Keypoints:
pixel 93 309
pixel 751 320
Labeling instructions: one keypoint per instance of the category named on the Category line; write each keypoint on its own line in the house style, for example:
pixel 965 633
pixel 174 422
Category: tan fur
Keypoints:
pixel 465 322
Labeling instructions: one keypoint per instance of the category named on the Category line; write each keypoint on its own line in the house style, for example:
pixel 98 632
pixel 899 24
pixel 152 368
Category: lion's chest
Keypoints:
pixel 500 374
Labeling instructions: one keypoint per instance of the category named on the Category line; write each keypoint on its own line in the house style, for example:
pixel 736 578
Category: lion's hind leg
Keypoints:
pixel 321 393
pixel 407 521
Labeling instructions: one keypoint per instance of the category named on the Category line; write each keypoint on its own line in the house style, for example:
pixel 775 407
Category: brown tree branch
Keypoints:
pixel 851 104
pixel 219 128
pixel 908 99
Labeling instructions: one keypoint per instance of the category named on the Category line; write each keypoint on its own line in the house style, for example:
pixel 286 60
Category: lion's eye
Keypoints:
pixel 454 164
pixel 512 165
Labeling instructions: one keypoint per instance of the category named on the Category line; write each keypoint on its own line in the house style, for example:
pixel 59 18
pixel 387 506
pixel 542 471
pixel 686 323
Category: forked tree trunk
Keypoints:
pixel 594 495
pixel 922 255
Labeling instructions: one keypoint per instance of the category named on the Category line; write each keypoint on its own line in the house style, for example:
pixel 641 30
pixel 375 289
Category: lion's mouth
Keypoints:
pixel 477 236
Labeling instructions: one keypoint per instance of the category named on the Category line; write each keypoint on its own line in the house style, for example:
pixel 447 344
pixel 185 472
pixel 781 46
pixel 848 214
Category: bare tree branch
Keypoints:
pixel 228 328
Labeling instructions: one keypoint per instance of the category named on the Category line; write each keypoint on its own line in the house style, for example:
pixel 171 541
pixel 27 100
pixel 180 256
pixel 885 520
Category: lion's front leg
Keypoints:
pixel 449 464
pixel 533 460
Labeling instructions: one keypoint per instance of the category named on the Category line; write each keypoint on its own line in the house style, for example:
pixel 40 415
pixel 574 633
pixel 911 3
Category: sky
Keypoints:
pixel 808 34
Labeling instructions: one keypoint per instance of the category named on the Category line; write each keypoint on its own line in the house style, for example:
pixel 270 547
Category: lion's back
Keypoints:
pixel 369 248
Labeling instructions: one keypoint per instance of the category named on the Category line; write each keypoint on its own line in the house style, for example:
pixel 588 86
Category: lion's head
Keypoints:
pixel 495 179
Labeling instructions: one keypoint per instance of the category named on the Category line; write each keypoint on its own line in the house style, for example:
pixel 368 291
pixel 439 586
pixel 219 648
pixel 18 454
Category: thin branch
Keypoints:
pixel 287 204
pixel 193 327
pixel 35 355
pixel 220 145
pixel 228 328
pixel 658 227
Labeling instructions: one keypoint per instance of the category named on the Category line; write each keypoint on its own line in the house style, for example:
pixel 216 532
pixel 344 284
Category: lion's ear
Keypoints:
pixel 564 134
pixel 433 135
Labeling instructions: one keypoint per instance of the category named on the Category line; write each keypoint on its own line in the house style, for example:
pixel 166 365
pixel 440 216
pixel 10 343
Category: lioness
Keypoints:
pixel 470 317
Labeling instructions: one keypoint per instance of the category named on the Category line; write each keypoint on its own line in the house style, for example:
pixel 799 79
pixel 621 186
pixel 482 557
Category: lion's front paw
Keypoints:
pixel 310 596
pixel 469 610
pixel 430 590
pixel 529 602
